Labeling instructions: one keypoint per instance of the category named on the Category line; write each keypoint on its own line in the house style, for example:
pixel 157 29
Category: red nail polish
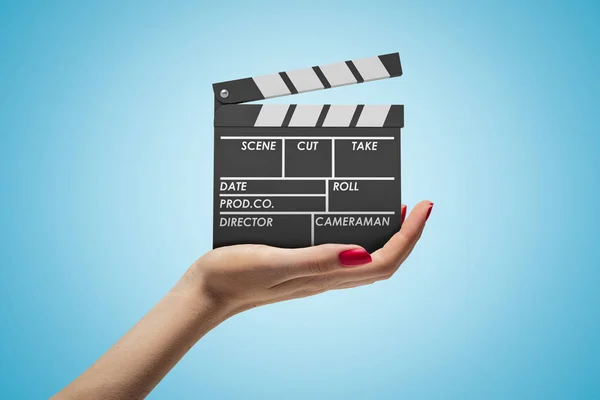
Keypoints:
pixel 355 257
pixel 403 213
pixel 429 212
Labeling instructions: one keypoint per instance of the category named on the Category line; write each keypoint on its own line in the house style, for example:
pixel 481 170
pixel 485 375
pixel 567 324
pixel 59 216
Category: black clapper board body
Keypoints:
pixel 292 175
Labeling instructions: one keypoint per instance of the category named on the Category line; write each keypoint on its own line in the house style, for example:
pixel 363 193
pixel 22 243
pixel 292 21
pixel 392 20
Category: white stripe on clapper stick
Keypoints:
pixel 271 115
pixel 373 116
pixel 371 68
pixel 306 115
pixel 339 115
pixel 271 85
pixel 305 80
pixel 338 74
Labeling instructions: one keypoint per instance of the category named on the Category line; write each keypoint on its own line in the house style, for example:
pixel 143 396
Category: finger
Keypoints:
pixel 333 259
pixel 407 253
pixel 381 267
pixel 322 259
pixel 387 259
pixel 411 229
pixel 345 283
pixel 360 282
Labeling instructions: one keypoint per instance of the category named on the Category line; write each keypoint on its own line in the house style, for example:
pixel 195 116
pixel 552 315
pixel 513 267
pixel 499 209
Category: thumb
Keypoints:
pixel 325 258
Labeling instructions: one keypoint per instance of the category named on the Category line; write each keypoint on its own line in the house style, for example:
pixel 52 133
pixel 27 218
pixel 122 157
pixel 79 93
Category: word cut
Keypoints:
pixel 302 146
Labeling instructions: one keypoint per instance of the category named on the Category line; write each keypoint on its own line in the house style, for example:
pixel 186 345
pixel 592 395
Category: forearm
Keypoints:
pixel 141 358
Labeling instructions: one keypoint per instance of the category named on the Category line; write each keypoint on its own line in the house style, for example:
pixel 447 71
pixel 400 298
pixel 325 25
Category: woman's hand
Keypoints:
pixel 227 281
pixel 240 277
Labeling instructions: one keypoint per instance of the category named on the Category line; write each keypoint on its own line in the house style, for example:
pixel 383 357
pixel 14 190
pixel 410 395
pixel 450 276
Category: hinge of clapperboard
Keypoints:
pixel 230 113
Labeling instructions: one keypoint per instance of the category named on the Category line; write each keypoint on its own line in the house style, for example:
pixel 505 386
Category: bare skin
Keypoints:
pixel 225 282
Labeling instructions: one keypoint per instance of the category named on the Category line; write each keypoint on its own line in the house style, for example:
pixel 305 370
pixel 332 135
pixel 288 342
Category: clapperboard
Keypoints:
pixel 292 175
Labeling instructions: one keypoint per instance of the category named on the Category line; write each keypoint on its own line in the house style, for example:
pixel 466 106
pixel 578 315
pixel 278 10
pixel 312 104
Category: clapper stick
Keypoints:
pixel 296 175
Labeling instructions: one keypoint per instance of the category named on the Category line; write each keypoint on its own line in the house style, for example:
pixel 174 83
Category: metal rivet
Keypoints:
pixel 224 93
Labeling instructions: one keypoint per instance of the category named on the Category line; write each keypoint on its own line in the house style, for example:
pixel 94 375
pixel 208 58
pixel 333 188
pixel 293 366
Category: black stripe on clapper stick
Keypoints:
pixel 288 116
pixel 322 78
pixel 288 83
pixel 322 116
pixel 391 62
pixel 356 115
pixel 355 72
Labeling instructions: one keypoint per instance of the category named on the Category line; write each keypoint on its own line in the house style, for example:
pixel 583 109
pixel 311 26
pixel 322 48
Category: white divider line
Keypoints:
pixel 326 195
pixel 283 157
pixel 275 178
pixel 312 229
pixel 332 158
pixel 307 212
pixel 308 137
pixel 272 195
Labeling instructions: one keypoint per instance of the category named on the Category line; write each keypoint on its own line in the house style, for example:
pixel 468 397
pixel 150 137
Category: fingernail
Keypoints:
pixel 355 257
pixel 403 213
pixel 429 212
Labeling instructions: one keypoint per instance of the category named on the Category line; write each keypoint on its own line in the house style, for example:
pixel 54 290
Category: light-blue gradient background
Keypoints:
pixel 106 179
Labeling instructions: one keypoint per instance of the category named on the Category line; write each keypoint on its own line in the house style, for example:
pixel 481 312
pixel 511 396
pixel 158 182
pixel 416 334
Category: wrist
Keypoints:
pixel 195 293
pixel 192 315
